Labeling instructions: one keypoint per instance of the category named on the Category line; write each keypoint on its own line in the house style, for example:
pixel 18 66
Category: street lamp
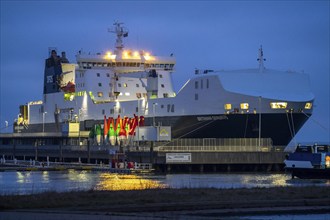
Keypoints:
pixel 260 120
pixel 138 121
pixel 79 115
pixel 154 112
pixel 43 121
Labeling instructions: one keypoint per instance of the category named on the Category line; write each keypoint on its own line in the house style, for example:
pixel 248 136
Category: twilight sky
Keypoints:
pixel 201 34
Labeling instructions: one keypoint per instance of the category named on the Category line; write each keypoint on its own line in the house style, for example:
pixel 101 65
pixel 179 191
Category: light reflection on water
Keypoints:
pixel 111 181
pixel 72 180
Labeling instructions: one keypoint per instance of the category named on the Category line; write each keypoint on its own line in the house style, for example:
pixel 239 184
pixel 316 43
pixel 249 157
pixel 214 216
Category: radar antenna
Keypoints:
pixel 121 32
pixel 261 60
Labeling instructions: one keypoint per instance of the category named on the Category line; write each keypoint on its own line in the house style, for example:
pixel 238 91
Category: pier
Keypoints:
pixel 181 155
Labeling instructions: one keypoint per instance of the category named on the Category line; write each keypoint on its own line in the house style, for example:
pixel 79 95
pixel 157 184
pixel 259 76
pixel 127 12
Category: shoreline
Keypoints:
pixel 174 202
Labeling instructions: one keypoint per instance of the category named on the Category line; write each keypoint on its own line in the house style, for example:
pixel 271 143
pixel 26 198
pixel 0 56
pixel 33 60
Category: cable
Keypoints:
pixel 172 141
pixel 315 121
pixel 293 129
pixel 289 124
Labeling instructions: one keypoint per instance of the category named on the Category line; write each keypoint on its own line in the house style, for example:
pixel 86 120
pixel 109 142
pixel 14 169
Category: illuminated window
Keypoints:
pixel 125 84
pixel 278 105
pixel 127 94
pixel 308 105
pixel 244 105
pixel 227 106
pixel 100 94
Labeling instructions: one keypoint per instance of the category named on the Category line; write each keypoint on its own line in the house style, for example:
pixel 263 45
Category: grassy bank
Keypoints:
pixel 157 200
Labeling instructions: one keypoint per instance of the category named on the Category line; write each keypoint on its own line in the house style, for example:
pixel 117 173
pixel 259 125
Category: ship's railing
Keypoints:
pixel 219 145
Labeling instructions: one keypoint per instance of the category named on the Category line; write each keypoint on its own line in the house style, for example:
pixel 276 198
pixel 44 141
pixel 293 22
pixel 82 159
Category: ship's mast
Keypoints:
pixel 121 32
pixel 261 59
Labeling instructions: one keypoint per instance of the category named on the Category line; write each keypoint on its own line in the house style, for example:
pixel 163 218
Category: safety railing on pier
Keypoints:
pixel 220 145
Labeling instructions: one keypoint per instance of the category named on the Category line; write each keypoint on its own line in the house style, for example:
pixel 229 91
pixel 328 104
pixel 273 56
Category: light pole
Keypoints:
pixel 79 115
pixel 154 112
pixel 260 121
pixel 138 121
pixel 43 121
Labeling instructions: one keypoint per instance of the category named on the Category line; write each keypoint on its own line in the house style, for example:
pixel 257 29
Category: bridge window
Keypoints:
pixel 244 105
pixel 308 105
pixel 278 105
pixel 228 106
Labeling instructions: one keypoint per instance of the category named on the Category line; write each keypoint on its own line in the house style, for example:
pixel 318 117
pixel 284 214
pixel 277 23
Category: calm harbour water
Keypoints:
pixel 61 181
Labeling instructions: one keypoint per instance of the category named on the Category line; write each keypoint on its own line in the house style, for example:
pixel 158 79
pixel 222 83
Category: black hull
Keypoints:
pixel 307 173
pixel 279 127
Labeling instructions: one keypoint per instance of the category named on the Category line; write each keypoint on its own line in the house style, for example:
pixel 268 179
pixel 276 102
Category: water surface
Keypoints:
pixel 72 180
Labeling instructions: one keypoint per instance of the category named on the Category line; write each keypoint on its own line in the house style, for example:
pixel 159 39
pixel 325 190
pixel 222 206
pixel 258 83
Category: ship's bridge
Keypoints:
pixel 126 61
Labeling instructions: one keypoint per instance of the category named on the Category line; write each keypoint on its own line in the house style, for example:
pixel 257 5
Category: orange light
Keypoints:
pixel 109 56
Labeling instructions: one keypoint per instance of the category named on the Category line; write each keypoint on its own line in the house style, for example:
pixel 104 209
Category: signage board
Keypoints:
pixel 178 157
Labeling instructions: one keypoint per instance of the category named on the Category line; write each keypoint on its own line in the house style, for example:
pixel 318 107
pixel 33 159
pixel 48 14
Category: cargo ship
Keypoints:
pixel 135 88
